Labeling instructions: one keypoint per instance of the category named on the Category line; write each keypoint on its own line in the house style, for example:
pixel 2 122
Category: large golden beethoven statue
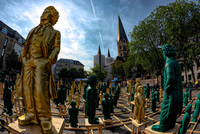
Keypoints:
pixel 40 51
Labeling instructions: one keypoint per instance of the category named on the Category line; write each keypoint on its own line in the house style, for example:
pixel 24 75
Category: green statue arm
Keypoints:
pixel 56 48
pixel 170 77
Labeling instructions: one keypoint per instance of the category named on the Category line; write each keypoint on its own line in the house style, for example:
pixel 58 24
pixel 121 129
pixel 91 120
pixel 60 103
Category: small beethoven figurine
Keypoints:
pixel 106 107
pixel 73 112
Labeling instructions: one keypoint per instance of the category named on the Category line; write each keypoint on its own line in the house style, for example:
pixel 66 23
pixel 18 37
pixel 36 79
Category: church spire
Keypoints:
pixel 99 51
pixel 108 53
pixel 121 33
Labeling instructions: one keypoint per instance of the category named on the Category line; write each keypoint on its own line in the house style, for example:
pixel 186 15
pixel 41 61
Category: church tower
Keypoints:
pixel 122 41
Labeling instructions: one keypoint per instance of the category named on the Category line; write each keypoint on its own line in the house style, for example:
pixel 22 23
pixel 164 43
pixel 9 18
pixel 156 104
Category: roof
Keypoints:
pixel 99 51
pixel 76 62
pixel 108 53
pixel 121 33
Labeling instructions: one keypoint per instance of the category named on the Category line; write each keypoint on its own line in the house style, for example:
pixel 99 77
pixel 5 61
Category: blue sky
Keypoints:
pixel 84 24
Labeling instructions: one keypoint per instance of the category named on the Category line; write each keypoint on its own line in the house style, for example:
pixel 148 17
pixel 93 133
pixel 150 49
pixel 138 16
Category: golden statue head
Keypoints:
pixel 50 14
pixel 141 89
pixel 138 80
pixel 76 93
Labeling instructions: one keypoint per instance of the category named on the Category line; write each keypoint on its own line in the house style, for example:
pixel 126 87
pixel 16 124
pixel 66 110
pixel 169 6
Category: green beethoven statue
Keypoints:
pixel 73 112
pixel 91 98
pixel 7 98
pixel 111 104
pixel 152 91
pixel 157 96
pixel 147 91
pixel 186 120
pixel 186 94
pixel 153 103
pixel 106 107
pixel 173 97
pixel 196 109
pixel 190 93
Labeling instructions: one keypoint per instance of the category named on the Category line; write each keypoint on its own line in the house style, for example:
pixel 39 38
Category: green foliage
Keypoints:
pixel 117 69
pixel 99 71
pixel 177 24
pixel 12 62
pixel 71 74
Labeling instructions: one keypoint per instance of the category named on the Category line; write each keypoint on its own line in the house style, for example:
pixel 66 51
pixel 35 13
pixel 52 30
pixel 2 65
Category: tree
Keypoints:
pixel 100 72
pixel 117 69
pixel 12 62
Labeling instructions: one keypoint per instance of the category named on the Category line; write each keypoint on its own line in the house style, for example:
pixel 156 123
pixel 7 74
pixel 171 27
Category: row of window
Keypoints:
pixel 190 77
pixel 4 30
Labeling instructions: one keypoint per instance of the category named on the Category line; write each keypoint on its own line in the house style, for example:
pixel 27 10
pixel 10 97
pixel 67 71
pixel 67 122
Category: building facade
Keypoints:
pixel 99 59
pixel 9 40
pixel 65 63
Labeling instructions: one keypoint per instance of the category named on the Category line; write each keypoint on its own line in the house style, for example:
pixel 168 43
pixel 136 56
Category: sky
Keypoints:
pixel 84 24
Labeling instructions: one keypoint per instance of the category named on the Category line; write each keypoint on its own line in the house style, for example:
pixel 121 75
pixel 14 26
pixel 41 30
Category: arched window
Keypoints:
pixel 5 42
pixel 120 47
pixel 20 40
pixel 4 30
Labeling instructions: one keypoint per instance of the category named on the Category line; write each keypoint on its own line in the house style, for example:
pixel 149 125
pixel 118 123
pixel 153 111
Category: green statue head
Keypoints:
pixel 189 108
pixel 168 51
pixel 106 95
pixel 186 90
pixel 147 84
pixel 92 80
pixel 73 103
pixel 198 96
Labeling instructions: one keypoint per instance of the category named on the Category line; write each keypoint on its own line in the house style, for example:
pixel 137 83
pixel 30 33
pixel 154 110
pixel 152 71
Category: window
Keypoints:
pixel 198 75
pixel 2 53
pixel 4 30
pixel 189 77
pixel 5 42
pixel 120 47
pixel 182 78
pixel 20 40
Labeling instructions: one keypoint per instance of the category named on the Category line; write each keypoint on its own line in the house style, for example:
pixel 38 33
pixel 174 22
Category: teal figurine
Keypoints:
pixel 111 104
pixel 73 113
pixel 186 120
pixel 157 96
pixel 152 91
pixel 190 93
pixel 196 109
pixel 153 103
pixel 186 94
pixel 91 98
pixel 106 107
pixel 7 98
pixel 173 93
pixel 147 90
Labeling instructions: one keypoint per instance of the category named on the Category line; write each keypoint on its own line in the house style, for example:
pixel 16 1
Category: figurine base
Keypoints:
pixel 99 126
pixel 108 122
pixel 15 128
pixel 171 131
pixel 138 126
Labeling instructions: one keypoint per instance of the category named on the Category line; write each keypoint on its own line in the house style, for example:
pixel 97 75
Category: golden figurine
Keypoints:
pixel 70 96
pixel 17 82
pixel 160 91
pixel 61 82
pixel 72 89
pixel 136 86
pixel 100 97
pixel 58 85
pixel 139 109
pixel 130 87
pixel 40 51
pixel 77 100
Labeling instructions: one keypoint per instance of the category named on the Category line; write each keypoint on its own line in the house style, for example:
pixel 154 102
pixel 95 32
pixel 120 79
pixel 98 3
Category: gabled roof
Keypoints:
pixel 121 32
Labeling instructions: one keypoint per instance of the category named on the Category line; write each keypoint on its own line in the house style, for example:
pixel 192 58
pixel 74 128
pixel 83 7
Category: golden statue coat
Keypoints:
pixel 50 51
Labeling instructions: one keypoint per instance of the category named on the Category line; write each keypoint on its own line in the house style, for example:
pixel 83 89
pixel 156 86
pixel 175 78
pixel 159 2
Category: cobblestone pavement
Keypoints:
pixel 122 122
